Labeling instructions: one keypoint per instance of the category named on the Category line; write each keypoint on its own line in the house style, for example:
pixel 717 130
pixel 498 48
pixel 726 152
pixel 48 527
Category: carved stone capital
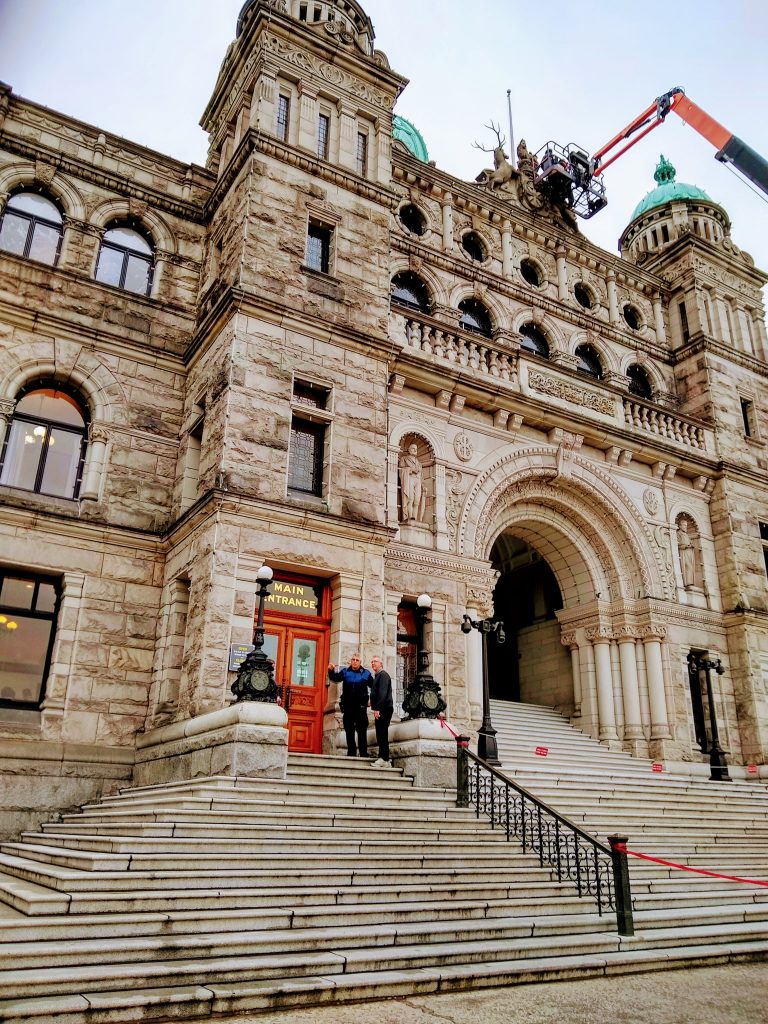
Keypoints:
pixel 653 631
pixel 99 432
pixel 598 634
pixel 568 640
pixel 7 405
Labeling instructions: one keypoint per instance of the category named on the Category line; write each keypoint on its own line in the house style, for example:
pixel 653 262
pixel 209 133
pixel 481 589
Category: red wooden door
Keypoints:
pixel 300 653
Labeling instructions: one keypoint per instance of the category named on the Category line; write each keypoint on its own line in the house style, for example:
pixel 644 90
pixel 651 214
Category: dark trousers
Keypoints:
pixel 382 732
pixel 356 728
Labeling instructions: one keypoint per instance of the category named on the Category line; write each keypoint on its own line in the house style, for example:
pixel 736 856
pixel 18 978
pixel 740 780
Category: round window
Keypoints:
pixel 531 273
pixel 473 246
pixel 583 296
pixel 413 219
pixel 632 317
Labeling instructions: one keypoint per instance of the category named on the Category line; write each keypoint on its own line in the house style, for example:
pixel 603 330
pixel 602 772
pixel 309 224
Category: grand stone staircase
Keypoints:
pixel 196 900
pixel 721 827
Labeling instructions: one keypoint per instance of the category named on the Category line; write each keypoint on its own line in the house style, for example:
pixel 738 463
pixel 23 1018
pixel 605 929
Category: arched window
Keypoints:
pixel 534 340
pixel 475 318
pixel 409 290
pixel 589 362
pixel 413 219
pixel 639 381
pixel 44 448
pixel 126 260
pixel 31 226
pixel 473 246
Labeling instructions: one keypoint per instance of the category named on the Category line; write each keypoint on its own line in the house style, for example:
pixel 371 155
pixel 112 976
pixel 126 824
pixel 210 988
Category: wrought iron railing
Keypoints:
pixel 595 869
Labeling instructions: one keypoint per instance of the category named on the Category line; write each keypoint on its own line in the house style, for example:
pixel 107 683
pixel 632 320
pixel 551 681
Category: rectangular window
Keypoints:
pixel 683 321
pixel 283 117
pixel 748 417
pixel 305 457
pixel 764 539
pixel 323 135
pixel 28 606
pixel 665 232
pixel 319 247
pixel 362 154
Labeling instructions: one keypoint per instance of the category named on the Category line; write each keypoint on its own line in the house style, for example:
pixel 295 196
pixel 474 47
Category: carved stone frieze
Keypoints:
pixel 651 501
pixel 598 633
pixel 455 489
pixel 463 447
pixel 568 392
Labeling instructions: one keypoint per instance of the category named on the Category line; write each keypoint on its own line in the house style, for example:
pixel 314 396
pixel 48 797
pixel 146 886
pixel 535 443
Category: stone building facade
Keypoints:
pixel 237 363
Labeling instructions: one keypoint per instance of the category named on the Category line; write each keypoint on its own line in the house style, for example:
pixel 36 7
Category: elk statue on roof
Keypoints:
pixel 502 170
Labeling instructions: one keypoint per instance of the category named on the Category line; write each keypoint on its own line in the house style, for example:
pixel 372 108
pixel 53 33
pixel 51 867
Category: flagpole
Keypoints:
pixel 512 150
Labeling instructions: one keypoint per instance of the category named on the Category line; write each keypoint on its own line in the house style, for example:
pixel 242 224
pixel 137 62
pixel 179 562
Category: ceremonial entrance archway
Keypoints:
pixel 578 586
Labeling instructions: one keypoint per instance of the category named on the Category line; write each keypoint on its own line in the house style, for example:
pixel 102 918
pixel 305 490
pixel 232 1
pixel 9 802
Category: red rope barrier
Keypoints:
pixel 685 867
pixel 444 725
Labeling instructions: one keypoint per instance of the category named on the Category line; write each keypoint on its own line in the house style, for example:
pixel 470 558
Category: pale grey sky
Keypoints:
pixel 578 73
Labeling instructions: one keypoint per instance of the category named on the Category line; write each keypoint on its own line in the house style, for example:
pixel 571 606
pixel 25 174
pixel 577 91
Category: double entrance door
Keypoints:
pixel 300 653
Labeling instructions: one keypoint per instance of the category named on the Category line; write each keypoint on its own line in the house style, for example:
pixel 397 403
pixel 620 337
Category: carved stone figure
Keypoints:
pixel 501 172
pixel 686 549
pixel 411 486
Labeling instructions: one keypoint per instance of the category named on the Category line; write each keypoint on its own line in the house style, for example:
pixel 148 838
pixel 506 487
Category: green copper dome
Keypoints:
pixel 667 190
pixel 411 137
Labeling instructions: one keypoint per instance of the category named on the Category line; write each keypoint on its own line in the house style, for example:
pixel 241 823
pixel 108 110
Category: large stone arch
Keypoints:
pixel 578 518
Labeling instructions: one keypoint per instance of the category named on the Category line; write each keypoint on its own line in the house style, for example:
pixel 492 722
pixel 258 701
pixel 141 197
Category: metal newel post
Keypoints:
pixel 462 771
pixel 718 765
pixel 621 890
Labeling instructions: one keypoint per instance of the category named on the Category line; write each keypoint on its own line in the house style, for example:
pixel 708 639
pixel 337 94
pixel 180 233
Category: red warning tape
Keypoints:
pixel 684 867
pixel 444 725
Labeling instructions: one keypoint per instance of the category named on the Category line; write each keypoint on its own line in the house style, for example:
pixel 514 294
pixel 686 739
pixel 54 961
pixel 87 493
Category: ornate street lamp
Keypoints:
pixel 423 698
pixel 718 765
pixel 255 678
pixel 487 748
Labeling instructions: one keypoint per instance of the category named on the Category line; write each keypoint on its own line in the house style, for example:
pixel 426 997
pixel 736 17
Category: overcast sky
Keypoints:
pixel 144 69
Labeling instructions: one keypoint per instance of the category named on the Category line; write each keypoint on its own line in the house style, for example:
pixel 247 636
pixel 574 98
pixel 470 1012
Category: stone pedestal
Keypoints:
pixel 425 750
pixel 248 738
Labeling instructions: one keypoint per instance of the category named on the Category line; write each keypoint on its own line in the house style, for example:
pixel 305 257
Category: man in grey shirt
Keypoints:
pixel 382 707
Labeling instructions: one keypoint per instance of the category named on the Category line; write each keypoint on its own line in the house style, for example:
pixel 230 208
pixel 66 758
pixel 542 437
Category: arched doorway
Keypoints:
pixel 532 665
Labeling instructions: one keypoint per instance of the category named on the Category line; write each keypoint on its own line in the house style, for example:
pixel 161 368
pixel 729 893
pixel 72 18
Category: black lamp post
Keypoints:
pixel 487 748
pixel 718 765
pixel 255 678
pixel 423 698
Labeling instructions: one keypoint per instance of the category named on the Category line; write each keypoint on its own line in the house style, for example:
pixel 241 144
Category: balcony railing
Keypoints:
pixel 663 424
pixel 461 348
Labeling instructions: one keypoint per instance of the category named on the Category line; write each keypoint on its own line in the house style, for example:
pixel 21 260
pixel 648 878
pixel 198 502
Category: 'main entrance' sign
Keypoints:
pixel 298 598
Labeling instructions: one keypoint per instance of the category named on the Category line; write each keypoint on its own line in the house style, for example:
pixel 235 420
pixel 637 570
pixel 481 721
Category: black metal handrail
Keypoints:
pixel 597 870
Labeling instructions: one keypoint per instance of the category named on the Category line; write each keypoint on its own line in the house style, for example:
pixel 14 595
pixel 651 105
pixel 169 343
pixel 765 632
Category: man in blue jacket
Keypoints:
pixel 355 684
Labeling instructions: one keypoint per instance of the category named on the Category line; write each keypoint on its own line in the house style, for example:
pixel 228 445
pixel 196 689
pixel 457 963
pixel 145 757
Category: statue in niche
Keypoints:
pixel 412 492
pixel 686 549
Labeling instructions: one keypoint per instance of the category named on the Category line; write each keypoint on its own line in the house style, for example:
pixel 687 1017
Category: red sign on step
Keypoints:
pixel 752 769
pixel 542 751
pixel 657 766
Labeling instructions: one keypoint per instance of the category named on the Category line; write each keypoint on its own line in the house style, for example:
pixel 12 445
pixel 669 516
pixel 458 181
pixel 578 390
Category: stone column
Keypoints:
pixel 7 405
pixel 658 320
pixel 630 690
pixel 601 643
pixel 569 640
pixel 98 439
pixel 307 137
pixel 60 676
pixel 613 301
pixel 506 249
pixel 263 113
pixel 348 136
pixel 656 693
pixel 447 222
pixel 562 274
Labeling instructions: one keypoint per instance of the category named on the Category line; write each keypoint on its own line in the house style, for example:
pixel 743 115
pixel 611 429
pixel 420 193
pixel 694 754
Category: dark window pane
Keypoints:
pixel 409 290
pixel 589 362
pixel 475 318
pixel 305 394
pixel 305 459
pixel 473 246
pixel 533 340
pixel 632 317
pixel 110 265
pixel 318 248
pixel 283 117
pixel 17 592
pixel 583 295
pixel 639 382
pixel 23 653
pixel 362 154
pixel 61 463
pixel 763 531
pixel 45 244
pixel 412 219
pixel 46 598
pixel 13 234
pixel 22 455
pixel 530 273
pixel 323 132
pixel 137 275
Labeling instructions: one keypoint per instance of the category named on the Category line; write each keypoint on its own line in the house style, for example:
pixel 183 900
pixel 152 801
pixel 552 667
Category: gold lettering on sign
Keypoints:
pixel 292 596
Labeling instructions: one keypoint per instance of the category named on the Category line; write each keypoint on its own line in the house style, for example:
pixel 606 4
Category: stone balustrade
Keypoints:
pixel 664 424
pixel 474 351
